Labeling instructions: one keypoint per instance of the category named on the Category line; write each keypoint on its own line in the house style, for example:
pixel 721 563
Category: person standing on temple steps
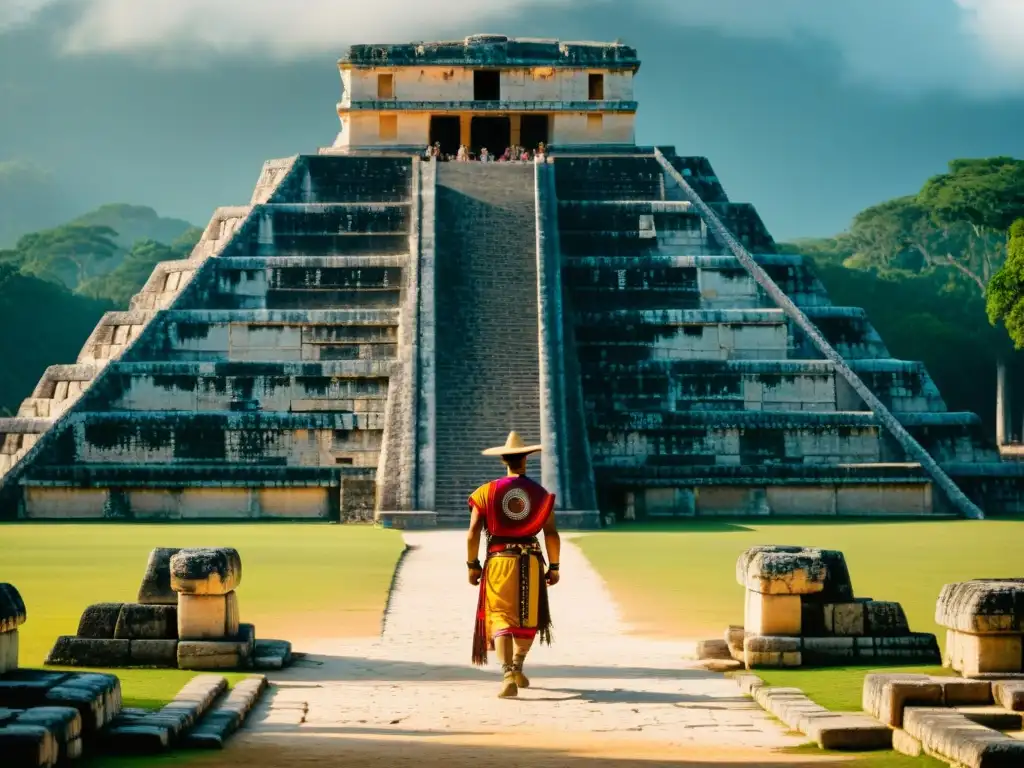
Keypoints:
pixel 512 610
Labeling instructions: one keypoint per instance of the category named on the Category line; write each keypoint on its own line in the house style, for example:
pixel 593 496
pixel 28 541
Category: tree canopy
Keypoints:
pixel 956 222
pixel 1005 300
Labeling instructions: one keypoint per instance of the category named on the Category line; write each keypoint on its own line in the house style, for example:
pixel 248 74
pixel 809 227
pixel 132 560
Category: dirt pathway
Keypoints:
pixel 411 696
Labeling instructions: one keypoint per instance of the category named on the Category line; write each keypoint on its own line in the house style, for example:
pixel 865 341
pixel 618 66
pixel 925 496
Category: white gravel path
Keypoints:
pixel 416 681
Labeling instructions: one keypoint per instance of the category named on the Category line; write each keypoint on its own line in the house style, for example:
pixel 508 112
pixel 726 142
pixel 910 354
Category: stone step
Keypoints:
pixel 742 437
pixel 752 385
pixel 337 179
pixel 209 475
pixel 270 335
pixel 952 736
pixel 632 177
pixel 324 230
pixel 226 715
pixel 272 654
pixel 238 262
pixel 140 732
pixel 155 438
pixel 752 475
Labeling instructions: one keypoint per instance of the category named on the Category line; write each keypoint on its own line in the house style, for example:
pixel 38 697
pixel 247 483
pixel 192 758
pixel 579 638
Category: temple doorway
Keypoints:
pixel 533 130
pixel 495 133
pixel 446 129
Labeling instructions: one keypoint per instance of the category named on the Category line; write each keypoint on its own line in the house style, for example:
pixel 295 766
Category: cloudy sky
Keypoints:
pixel 810 109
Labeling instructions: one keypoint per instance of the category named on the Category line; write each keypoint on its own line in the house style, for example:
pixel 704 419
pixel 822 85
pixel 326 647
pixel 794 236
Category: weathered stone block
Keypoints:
pixel 981 607
pixel 777 570
pixel 734 639
pixel 65 723
pixel 277 654
pixel 951 735
pixel 828 651
pixel 147 622
pixel 849 731
pixel 71 651
pixel 886 696
pixel 1009 694
pixel 768 652
pixel 844 619
pixel 228 715
pixel 972 655
pixel 137 739
pixel 8 651
pixel 154 653
pixel 209 654
pixel 884 618
pixel 996 718
pixel 748 683
pixel 90 705
pixel 99 621
pixel 775 615
pixel 812 618
pixel 957 692
pixel 156 583
pixel 713 649
pixel 207 617
pixel 12 608
pixel 27 746
pixel 206 571
pixel 906 744
pixel 25 688
pixel 915 648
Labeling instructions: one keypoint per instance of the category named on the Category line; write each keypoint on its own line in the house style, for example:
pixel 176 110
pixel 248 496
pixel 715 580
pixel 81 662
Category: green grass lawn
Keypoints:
pixel 679 580
pixel 299 581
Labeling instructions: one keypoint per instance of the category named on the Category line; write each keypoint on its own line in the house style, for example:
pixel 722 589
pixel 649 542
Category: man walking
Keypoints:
pixel 512 610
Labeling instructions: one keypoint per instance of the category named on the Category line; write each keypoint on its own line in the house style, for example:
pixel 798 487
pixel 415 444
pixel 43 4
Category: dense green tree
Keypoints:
pixel 52 324
pixel 1005 299
pixel 67 254
pixel 926 317
pixel 123 282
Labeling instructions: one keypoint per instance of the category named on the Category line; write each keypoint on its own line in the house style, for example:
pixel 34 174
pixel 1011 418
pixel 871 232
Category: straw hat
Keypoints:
pixel 513 447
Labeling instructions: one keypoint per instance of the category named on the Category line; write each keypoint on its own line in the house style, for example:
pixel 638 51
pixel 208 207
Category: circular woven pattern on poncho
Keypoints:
pixel 516 504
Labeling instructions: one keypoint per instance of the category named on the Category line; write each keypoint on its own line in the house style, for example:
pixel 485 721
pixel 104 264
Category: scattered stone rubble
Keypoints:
pixel 50 718
pixel 831 730
pixel 984 621
pixel 800 610
pixel 973 721
pixel 187 617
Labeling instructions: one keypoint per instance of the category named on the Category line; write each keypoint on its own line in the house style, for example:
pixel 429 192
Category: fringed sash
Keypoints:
pixel 528 549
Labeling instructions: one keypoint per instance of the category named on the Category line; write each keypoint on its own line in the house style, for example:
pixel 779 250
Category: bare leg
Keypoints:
pixel 522 646
pixel 503 648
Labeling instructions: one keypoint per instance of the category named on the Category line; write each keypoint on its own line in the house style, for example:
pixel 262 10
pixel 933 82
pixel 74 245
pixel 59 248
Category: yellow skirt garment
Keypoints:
pixel 502 596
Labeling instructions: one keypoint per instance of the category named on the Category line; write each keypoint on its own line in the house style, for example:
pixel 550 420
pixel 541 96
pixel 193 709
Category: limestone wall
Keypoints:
pixel 451 84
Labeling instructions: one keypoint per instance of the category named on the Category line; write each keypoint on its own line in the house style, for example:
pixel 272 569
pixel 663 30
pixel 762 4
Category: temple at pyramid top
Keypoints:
pixel 487 91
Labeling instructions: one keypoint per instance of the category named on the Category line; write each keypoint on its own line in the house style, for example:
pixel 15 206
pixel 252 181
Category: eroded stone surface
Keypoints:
pixel 156 583
pixel 12 608
pixel 983 606
pixel 596 679
pixel 209 571
pixel 147 622
pixel 99 621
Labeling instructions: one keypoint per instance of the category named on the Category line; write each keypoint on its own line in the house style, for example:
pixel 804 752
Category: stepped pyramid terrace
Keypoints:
pixel 344 345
